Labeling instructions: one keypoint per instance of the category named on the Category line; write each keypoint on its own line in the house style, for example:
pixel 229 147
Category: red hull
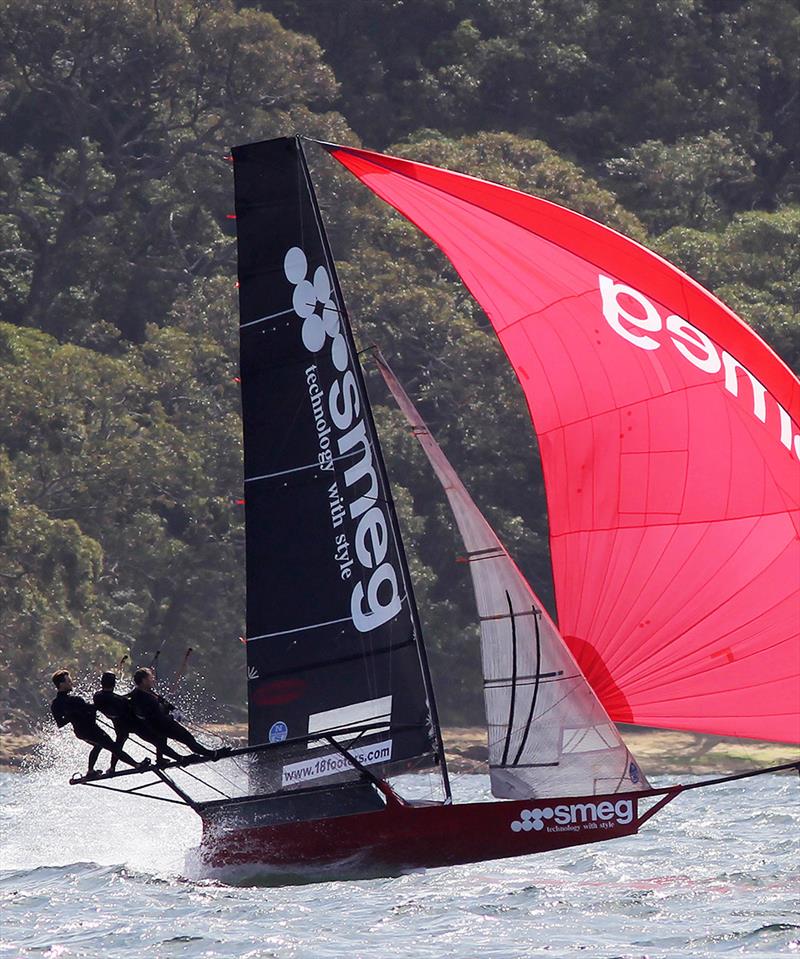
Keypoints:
pixel 404 837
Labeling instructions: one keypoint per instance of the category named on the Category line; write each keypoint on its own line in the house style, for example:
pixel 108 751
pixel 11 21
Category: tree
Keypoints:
pixel 48 574
pixel 696 182
pixel 114 121
pixel 140 454
pixel 115 118
pixel 753 265
pixel 592 80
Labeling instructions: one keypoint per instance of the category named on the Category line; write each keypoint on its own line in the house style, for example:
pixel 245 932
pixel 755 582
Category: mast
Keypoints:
pixel 381 463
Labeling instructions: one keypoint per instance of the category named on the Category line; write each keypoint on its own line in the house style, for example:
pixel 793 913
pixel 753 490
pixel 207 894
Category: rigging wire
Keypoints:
pixel 151 749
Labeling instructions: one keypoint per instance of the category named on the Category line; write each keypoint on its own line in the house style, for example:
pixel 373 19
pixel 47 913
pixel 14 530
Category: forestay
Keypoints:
pixel 332 637
pixel 548 733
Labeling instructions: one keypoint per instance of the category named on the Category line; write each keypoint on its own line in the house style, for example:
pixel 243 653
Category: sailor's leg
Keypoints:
pixel 93 756
pixel 118 753
pixel 122 737
pixel 182 735
pixel 167 750
pixel 102 740
pixel 159 740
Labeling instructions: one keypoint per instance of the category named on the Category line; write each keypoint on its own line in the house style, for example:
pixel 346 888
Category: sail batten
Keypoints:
pixel 670 443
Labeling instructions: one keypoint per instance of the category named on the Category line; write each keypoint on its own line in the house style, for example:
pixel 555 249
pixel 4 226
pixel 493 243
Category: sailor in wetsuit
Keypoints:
pixel 119 710
pixel 68 708
pixel 157 714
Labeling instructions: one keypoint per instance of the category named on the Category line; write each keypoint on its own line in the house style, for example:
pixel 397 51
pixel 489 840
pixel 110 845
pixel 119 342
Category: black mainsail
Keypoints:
pixel 333 637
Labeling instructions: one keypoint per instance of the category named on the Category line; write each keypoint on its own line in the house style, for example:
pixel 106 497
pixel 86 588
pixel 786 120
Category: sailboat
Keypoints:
pixel 668 433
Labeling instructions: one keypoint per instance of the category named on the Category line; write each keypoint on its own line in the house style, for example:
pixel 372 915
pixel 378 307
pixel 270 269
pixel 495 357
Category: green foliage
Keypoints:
pixel 48 576
pixel 120 450
pixel 754 266
pixel 116 116
pixel 697 181
pixel 140 453
pixel 592 79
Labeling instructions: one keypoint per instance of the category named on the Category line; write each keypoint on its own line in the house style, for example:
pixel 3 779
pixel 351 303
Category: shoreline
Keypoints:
pixel 658 751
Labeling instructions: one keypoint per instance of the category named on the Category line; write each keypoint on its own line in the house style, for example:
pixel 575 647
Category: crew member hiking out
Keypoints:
pixel 119 709
pixel 156 714
pixel 69 708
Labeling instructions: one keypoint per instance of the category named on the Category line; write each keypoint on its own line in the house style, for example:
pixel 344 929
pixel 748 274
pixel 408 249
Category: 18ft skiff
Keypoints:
pixel 669 440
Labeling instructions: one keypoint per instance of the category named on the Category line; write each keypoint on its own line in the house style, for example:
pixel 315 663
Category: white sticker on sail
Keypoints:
pixel 335 763
pixel 367 713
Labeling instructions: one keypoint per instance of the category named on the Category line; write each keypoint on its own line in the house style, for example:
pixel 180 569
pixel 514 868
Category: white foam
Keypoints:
pixel 48 822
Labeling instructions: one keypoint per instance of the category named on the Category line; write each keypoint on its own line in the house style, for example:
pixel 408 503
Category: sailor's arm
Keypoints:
pixel 58 715
pixel 166 705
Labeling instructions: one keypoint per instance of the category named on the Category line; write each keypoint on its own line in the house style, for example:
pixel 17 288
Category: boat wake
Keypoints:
pixel 268 875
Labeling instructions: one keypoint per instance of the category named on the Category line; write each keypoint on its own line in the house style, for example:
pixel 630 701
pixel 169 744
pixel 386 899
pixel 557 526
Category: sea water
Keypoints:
pixel 84 873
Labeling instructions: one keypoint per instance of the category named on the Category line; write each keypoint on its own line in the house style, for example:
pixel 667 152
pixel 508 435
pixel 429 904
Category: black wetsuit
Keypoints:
pixel 154 711
pixel 68 708
pixel 119 710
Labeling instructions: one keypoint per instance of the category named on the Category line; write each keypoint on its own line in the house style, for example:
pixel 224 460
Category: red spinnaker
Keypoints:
pixel 669 441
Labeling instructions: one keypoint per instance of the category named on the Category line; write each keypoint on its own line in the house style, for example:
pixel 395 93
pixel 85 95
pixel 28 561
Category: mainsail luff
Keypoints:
pixel 670 445
pixel 548 732
pixel 331 638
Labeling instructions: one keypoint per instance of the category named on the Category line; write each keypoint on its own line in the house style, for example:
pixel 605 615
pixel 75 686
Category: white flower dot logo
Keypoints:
pixel 308 297
pixel 531 819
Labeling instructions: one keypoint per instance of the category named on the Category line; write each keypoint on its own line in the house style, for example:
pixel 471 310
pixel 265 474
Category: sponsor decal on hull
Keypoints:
pixel 573 817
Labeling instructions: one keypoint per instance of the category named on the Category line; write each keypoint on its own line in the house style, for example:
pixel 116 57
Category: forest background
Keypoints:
pixel 675 121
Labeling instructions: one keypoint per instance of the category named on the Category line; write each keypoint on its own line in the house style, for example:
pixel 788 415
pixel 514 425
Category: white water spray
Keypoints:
pixel 52 823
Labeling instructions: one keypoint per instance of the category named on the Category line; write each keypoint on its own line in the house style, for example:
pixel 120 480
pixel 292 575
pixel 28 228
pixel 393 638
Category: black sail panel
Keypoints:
pixel 331 637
